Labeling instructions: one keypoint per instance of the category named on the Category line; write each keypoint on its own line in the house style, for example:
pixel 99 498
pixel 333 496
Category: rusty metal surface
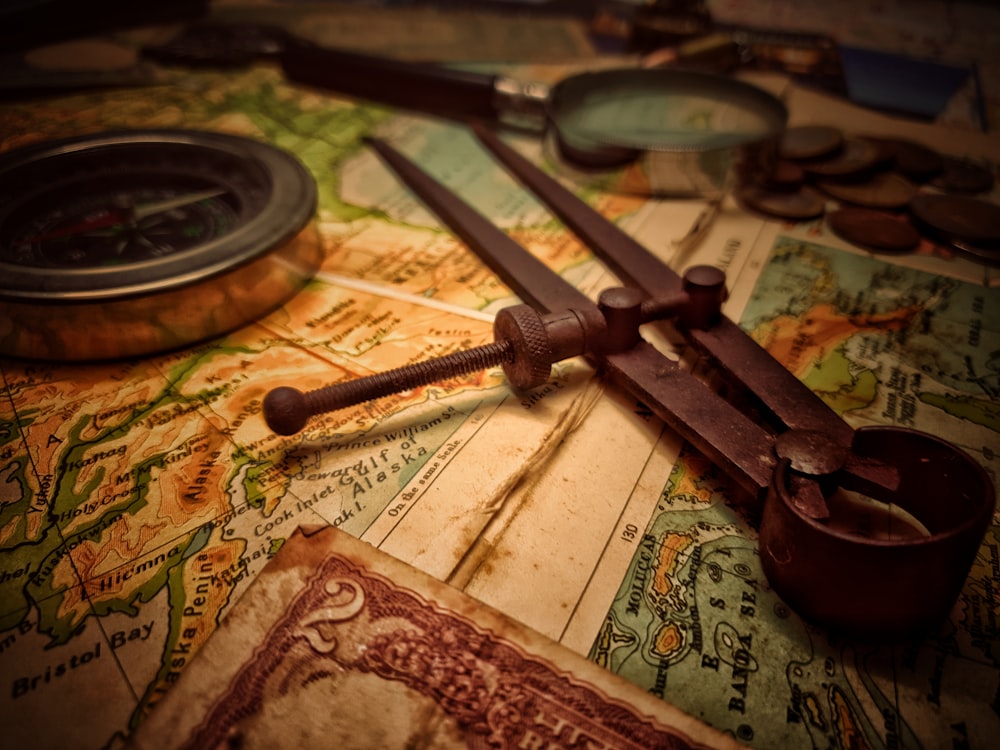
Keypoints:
pixel 799 462
pixel 778 390
pixel 882 587
pixel 734 442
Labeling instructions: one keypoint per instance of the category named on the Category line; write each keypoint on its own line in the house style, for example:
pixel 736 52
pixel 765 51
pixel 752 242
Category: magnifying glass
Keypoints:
pixel 688 133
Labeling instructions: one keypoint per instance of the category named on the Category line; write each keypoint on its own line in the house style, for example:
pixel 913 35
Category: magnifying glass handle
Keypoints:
pixel 425 87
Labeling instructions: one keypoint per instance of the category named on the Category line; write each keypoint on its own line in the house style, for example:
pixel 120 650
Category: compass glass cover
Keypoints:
pixel 86 209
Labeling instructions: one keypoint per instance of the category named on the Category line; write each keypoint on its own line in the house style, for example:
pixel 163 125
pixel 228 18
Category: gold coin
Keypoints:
pixel 856 157
pixel 786 176
pixel 956 218
pixel 962 176
pixel 915 160
pixel 798 205
pixel 881 190
pixel 873 229
pixel 810 142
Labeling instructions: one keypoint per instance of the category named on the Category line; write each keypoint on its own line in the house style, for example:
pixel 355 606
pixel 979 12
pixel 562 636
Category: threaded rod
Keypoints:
pixel 286 409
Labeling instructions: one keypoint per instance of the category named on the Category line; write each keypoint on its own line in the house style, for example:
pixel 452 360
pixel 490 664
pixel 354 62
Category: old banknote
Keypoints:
pixel 338 645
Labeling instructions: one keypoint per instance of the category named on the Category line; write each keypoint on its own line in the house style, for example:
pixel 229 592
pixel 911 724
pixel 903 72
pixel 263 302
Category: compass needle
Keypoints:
pixel 87 226
pixel 147 210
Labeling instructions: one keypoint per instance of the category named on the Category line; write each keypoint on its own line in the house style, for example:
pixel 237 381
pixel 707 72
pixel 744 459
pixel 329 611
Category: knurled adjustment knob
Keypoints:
pixel 524 328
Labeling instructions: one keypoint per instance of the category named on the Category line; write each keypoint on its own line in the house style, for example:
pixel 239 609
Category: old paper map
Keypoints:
pixel 116 475
pixel 140 499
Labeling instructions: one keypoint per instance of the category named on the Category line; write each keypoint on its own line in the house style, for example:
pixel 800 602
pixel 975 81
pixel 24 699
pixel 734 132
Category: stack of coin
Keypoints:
pixel 881 194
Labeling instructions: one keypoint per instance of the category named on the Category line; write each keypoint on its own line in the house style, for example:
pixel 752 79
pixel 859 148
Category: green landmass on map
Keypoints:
pixel 155 482
pixel 981 411
pixel 841 388
pixel 694 619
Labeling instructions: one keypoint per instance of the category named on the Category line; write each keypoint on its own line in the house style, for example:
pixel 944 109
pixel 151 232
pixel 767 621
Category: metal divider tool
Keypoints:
pixel 804 463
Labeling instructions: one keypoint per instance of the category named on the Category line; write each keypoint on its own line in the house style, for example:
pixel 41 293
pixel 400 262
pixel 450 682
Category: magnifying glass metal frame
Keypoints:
pixel 681 160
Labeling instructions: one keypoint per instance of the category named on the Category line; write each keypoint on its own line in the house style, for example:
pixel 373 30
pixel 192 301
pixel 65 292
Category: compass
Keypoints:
pixel 127 243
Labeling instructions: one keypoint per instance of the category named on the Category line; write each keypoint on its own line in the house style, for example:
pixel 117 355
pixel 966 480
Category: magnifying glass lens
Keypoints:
pixel 607 118
pixel 644 119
